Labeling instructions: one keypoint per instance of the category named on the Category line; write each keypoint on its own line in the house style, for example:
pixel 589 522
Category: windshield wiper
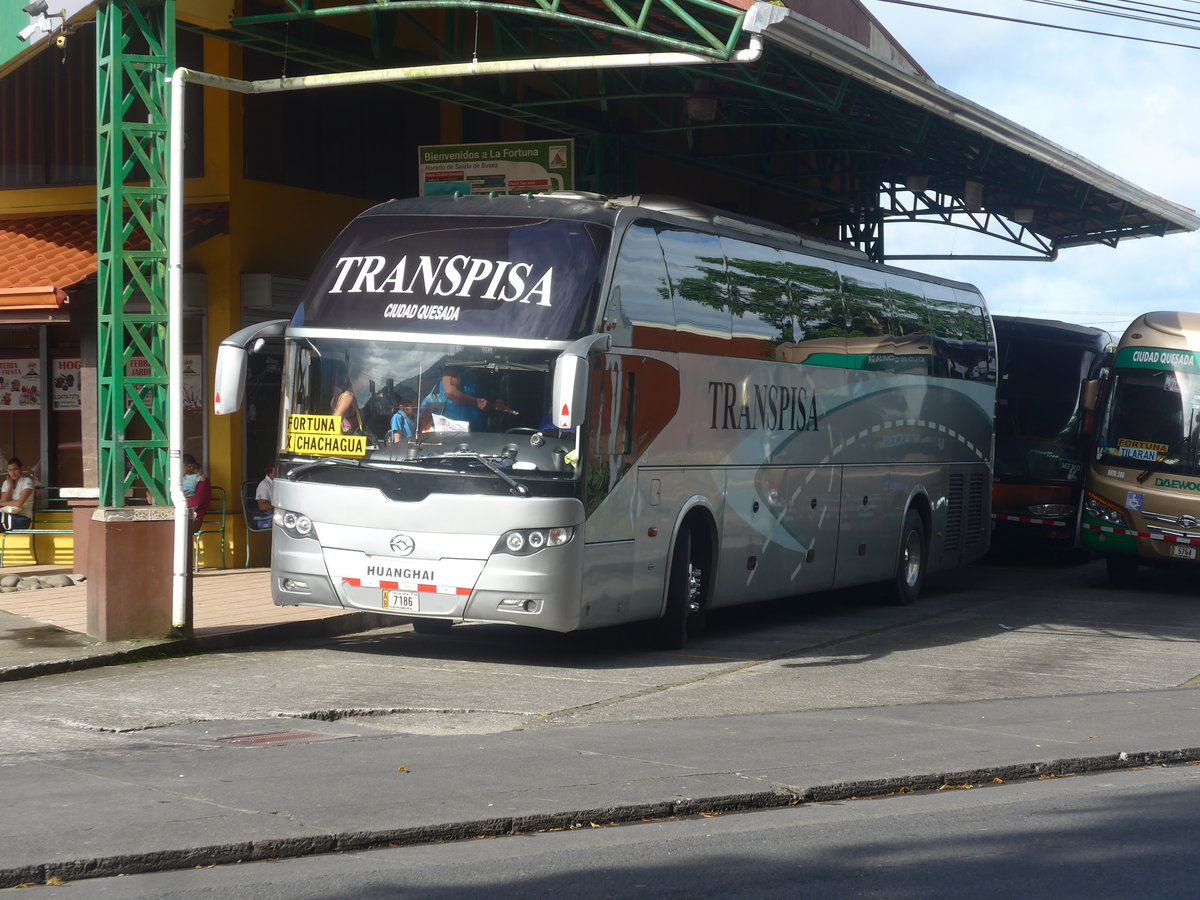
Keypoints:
pixel 327 461
pixel 517 488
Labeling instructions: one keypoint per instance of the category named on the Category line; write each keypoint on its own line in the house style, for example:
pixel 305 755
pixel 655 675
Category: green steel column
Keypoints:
pixel 135 53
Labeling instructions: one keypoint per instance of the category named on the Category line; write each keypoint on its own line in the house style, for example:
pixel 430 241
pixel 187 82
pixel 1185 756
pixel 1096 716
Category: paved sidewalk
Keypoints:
pixel 45 631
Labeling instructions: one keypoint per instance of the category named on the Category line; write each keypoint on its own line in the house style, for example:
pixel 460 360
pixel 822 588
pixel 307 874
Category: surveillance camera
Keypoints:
pixel 60 42
pixel 37 8
pixel 27 32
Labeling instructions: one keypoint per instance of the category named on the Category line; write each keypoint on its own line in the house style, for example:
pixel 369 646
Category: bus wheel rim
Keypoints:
pixel 912 559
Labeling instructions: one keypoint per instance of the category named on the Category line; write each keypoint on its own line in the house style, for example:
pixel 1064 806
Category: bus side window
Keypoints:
pixel 867 304
pixel 699 289
pixel 759 299
pixel 910 310
pixel 639 312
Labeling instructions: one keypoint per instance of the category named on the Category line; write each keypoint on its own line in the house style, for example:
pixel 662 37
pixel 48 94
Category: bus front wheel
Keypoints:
pixel 684 594
pixel 1122 569
pixel 431 626
pixel 905 586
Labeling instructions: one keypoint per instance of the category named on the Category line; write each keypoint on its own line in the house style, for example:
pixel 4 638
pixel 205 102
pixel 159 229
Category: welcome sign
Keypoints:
pixel 515 167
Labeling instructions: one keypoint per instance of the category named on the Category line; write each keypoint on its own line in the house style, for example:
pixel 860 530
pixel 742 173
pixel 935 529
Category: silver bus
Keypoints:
pixel 617 410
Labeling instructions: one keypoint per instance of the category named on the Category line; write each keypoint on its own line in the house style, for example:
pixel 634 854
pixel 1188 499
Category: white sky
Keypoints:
pixel 1126 106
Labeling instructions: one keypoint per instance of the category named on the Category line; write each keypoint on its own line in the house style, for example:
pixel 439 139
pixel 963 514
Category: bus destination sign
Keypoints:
pixel 322 436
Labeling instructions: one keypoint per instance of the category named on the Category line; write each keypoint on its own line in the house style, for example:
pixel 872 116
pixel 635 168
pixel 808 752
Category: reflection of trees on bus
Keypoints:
pixel 692 292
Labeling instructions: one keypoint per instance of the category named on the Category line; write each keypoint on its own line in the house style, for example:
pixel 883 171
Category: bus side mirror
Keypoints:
pixel 571 379
pixel 229 381
pixel 1089 394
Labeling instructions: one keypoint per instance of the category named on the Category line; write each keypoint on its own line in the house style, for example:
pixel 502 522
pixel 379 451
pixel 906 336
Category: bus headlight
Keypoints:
pixel 294 524
pixel 524 541
pixel 1051 510
pixel 1103 510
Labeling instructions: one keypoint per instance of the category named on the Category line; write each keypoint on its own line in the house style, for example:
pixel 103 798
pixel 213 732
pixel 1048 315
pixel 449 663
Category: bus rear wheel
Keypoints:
pixel 905 586
pixel 685 592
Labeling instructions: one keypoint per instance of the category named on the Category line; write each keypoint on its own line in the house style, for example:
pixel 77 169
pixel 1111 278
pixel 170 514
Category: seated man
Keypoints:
pixel 264 512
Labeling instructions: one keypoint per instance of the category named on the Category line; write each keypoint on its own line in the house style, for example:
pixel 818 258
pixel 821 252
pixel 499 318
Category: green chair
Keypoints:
pixel 213 524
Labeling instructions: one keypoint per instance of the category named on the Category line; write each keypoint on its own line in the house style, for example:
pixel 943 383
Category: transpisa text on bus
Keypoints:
pixel 1043 427
pixel 616 410
pixel 1142 493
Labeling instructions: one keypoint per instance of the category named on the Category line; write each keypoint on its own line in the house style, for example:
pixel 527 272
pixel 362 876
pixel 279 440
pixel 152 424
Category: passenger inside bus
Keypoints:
pixel 460 397
pixel 344 404
pixel 407 422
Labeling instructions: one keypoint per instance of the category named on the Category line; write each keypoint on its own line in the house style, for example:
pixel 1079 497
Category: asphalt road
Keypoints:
pixel 1003 629
pixel 1119 834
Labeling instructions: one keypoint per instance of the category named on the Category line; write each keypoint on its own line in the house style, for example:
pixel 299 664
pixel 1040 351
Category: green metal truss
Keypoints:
pixel 135 52
pixel 709 27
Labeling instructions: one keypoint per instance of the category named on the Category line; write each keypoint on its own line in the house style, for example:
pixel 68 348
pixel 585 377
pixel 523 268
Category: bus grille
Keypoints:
pixel 966 512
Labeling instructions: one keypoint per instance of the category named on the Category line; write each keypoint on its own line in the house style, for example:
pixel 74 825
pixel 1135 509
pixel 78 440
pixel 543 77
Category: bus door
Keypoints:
pixel 631 401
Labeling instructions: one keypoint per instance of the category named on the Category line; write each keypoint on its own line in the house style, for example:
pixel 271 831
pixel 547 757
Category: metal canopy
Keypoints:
pixel 838 137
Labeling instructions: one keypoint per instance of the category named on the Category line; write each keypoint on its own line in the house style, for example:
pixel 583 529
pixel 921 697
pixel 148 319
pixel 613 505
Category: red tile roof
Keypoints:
pixel 42 254
pixel 55 251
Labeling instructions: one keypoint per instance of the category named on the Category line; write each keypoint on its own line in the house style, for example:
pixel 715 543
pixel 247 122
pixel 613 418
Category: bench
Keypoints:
pixel 51 516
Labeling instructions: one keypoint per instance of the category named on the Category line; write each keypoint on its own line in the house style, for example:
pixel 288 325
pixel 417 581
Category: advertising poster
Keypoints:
pixel 19 384
pixel 513 167
pixel 64 383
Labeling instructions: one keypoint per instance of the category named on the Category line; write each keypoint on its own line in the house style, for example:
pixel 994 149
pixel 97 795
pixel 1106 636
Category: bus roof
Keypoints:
pixel 1170 328
pixel 1049 329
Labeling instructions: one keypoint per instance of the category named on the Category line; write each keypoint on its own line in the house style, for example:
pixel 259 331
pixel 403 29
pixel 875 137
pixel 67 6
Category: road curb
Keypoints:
pixel 774 797
pixel 331 626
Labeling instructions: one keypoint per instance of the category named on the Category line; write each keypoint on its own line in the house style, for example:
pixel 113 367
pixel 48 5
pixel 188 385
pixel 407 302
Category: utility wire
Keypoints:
pixel 979 15
pixel 1075 7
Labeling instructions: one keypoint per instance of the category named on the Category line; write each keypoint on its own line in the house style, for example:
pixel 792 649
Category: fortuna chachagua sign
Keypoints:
pixel 322 436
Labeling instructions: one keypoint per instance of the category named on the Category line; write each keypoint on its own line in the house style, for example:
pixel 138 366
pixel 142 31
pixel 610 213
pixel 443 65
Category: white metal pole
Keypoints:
pixel 179 577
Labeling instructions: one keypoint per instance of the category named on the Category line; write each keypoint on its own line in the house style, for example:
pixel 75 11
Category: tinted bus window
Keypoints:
pixel 866 300
pixel 816 297
pixel 910 310
pixel 700 289
pixel 758 297
pixel 640 312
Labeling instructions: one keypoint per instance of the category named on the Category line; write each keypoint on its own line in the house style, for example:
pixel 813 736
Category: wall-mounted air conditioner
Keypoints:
pixel 264 291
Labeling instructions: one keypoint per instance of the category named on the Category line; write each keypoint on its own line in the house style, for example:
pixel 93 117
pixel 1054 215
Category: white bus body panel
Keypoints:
pixel 452 570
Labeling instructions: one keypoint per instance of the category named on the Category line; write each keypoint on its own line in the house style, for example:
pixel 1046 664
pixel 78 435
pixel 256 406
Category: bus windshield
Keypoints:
pixel 428 405
pixel 1151 420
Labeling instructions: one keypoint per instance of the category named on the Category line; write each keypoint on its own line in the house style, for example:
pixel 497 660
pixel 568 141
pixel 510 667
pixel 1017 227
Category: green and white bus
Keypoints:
pixel 1142 493
pixel 617 410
